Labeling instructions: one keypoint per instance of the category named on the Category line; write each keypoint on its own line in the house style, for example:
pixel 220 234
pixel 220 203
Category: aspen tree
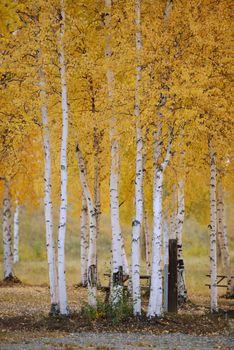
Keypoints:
pixel 7 234
pixel 16 233
pixel 145 226
pixel 182 292
pixel 146 240
pixel 213 225
pixel 137 222
pixel 63 306
pixel 155 307
pixel 97 192
pixel 48 208
pixel 92 255
pixel 117 262
pixel 165 261
pixel 155 300
pixel 222 234
pixel 35 17
pixel 84 245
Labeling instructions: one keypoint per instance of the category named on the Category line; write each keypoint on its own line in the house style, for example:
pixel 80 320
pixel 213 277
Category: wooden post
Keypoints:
pixel 172 283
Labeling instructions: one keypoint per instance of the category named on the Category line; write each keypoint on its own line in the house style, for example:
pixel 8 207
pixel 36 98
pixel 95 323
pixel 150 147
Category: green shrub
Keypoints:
pixel 114 313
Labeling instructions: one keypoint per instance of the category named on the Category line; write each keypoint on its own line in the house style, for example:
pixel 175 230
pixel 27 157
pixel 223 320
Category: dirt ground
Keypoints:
pixel 24 315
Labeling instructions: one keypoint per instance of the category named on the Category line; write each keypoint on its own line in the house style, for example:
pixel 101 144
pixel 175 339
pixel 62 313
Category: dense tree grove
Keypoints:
pixel 117 106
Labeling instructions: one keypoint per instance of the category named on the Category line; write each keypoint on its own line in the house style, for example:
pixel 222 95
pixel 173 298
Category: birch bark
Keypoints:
pixel 145 226
pixel 84 246
pixel 146 240
pixel 16 234
pixel 97 192
pixel 156 297
pixel 213 228
pixel 155 300
pixel 166 262
pixel 92 256
pixel 222 234
pixel 117 241
pixel 7 239
pixel 48 206
pixel 137 222
pixel 63 305
pixel 124 256
pixel 182 292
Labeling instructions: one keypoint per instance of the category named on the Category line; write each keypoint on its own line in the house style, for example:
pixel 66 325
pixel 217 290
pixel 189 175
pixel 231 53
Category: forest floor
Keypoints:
pixel 25 324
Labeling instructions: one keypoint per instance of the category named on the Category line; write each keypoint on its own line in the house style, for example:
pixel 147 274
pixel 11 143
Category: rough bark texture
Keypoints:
pixel 166 262
pixel 145 251
pixel 97 181
pixel 63 164
pixel 182 292
pixel 146 240
pixel 92 255
pixel 16 234
pixel 137 222
pixel 48 206
pixel 84 245
pixel 222 234
pixel 155 301
pixel 213 228
pixel 117 255
pixel 7 238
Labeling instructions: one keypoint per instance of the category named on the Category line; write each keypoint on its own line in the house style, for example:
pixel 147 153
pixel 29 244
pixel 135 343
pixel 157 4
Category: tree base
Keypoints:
pixel 11 279
pixel 54 310
pixel 182 299
pixel 216 312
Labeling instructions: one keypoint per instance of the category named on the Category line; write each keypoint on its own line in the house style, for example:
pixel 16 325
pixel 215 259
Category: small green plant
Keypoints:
pixel 115 313
pixel 88 311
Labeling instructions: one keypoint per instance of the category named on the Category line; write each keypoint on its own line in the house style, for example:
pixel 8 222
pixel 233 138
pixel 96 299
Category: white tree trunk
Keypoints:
pixel 92 256
pixel 156 298
pixel 213 228
pixel 219 233
pixel 7 239
pixel 145 226
pixel 124 257
pixel 147 240
pixel 166 262
pixel 155 301
pixel 63 305
pixel 117 256
pixel 16 234
pixel 137 222
pixel 97 182
pixel 222 233
pixel 182 292
pixel 117 240
pixel 48 206
pixel 84 245
pixel 168 8
pixel 97 192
